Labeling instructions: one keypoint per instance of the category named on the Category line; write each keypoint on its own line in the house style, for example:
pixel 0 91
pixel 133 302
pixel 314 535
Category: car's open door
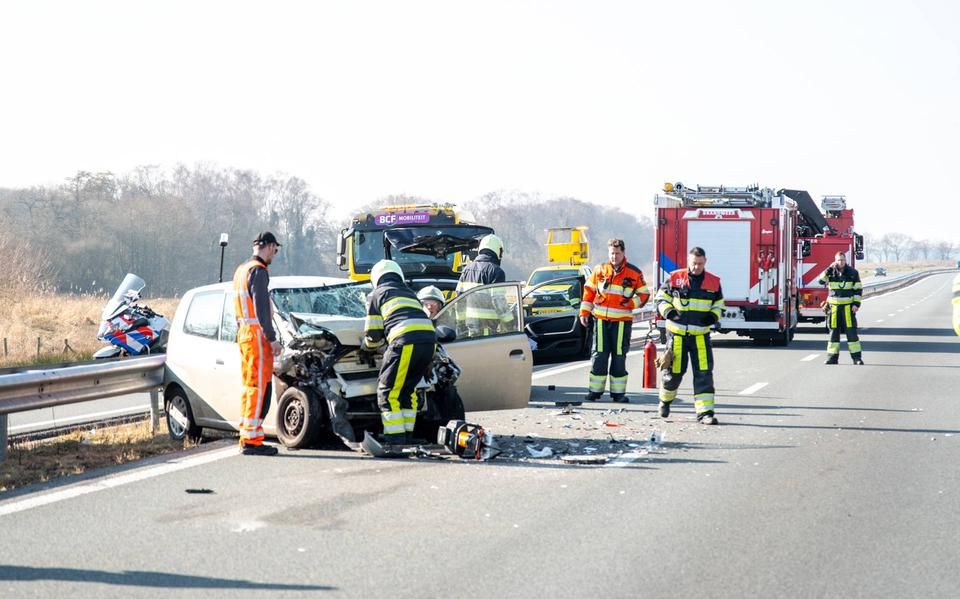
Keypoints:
pixel 491 348
pixel 551 315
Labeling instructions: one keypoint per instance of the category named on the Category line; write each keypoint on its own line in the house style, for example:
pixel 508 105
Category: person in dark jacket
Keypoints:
pixel 691 301
pixel 395 316
pixel 843 303
pixel 484 314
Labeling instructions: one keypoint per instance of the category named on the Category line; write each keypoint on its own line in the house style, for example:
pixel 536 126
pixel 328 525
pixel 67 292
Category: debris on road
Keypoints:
pixel 584 459
pixel 546 452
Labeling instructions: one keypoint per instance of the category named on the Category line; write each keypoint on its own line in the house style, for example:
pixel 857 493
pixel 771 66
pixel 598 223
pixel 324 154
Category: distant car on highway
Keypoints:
pixel 320 321
pixel 880 271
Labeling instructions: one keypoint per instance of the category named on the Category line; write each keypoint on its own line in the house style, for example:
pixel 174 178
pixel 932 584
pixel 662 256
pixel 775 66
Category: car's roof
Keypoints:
pixel 283 282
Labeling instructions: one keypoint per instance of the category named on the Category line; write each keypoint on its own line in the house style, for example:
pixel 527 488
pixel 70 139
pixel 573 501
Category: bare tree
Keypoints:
pixel 945 250
pixel 897 244
pixel 920 249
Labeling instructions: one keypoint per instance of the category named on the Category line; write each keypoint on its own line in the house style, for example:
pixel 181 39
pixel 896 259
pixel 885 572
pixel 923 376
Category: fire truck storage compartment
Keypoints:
pixel 727 244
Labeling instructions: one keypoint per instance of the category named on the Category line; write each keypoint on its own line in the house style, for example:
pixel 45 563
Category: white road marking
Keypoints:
pixel 881 320
pixel 810 357
pixel 753 388
pixel 891 315
pixel 625 459
pixel 557 370
pixel 115 481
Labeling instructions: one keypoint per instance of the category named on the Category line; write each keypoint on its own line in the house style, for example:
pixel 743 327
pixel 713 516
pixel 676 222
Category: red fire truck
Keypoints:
pixel 749 235
pixel 821 235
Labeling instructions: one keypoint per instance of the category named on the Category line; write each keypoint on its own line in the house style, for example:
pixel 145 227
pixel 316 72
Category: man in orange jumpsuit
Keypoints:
pixel 258 342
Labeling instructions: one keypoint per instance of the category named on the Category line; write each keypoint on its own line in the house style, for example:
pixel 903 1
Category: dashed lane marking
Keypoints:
pixel 810 357
pixel 753 388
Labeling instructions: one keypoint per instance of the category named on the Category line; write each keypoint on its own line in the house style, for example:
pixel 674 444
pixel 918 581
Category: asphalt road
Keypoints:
pixel 821 481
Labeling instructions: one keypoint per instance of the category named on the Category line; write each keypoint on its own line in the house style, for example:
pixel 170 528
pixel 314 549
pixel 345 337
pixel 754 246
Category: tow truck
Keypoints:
pixel 430 242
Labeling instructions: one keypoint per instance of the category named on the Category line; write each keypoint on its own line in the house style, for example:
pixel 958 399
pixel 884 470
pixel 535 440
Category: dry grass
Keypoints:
pixel 40 461
pixel 894 268
pixel 54 318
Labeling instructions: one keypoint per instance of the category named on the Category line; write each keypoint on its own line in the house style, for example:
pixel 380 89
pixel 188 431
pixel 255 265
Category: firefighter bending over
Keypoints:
pixel 611 293
pixel 394 314
pixel 843 303
pixel 484 315
pixel 258 342
pixel 691 301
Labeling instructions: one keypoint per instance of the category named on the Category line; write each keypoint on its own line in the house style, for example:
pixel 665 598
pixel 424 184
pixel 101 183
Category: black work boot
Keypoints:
pixel 707 418
pixel 395 438
pixel 857 359
pixel 832 359
pixel 619 398
pixel 664 409
pixel 592 396
pixel 258 450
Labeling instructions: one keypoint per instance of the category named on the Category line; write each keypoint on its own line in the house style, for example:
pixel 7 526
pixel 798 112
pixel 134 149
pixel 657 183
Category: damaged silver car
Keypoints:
pixel 323 381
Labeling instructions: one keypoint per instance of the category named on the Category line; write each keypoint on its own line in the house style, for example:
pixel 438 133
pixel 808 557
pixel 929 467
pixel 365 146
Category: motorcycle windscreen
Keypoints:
pixel 131 282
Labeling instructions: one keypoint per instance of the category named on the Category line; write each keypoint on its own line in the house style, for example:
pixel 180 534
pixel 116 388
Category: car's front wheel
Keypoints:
pixel 298 418
pixel 180 423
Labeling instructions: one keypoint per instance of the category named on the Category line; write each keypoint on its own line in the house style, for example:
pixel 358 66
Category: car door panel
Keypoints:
pixel 496 364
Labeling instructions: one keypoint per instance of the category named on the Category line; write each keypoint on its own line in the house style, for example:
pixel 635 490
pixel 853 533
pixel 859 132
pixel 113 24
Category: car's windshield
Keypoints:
pixel 341 300
pixel 368 249
pixel 542 276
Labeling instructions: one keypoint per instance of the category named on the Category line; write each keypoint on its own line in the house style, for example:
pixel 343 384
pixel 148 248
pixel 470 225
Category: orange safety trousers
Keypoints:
pixel 256 367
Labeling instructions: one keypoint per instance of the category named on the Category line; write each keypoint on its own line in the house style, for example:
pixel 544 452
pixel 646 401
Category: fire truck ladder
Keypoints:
pixel 750 196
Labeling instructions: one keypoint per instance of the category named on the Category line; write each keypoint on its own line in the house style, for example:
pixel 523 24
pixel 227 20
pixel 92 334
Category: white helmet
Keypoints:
pixel 432 293
pixel 384 267
pixel 492 243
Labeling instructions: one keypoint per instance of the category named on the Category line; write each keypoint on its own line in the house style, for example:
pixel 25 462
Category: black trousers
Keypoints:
pixel 843 320
pixel 695 351
pixel 611 342
pixel 403 367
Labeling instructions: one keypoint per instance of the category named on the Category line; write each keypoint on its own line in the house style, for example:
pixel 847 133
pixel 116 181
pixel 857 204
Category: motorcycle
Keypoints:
pixel 131 329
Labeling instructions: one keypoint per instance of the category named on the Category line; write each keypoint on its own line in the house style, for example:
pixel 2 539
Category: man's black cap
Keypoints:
pixel 266 238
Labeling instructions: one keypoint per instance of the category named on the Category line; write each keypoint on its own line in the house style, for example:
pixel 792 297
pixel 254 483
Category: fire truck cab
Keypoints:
pixel 749 236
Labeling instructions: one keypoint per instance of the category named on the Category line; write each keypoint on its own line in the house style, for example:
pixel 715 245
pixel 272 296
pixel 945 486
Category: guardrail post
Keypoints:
pixel 3 437
pixel 154 410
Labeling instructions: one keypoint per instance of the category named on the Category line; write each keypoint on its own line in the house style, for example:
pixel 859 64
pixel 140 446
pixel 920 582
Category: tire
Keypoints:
pixel 298 418
pixel 177 403
pixel 782 339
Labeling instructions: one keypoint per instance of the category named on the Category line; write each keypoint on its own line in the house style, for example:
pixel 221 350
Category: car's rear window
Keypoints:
pixel 203 315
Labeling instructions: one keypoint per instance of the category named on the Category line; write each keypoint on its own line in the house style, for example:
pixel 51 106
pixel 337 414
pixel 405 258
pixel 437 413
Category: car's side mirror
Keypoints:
pixel 805 248
pixel 445 334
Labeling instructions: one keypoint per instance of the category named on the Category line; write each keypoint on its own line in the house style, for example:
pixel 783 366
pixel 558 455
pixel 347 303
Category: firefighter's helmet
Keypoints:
pixel 492 243
pixel 384 267
pixel 431 292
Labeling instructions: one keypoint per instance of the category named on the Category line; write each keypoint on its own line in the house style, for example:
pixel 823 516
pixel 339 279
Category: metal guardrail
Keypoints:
pixel 44 388
pixel 878 287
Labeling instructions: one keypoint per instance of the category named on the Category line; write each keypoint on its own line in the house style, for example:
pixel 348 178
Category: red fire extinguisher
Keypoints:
pixel 649 365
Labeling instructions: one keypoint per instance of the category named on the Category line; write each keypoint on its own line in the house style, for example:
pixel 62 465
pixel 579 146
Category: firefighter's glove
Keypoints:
pixel 673 315
pixel 665 360
pixel 369 345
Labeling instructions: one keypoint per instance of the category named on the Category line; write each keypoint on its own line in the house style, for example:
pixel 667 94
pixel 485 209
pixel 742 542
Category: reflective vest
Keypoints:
pixel 244 307
pixel 697 308
pixel 394 313
pixel 844 285
pixel 609 294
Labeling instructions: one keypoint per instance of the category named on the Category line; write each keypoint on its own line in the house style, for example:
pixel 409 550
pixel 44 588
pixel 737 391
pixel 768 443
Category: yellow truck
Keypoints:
pixel 430 242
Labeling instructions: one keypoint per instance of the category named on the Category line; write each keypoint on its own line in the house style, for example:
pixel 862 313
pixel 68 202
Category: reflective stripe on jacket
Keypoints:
pixel 844 285
pixel 394 313
pixel 611 294
pixel 250 287
pixel 698 302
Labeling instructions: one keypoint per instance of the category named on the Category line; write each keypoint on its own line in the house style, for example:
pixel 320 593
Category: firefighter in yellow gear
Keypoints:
pixel 843 302
pixel 394 315
pixel 691 301
pixel 610 294
pixel 956 304
pixel 258 342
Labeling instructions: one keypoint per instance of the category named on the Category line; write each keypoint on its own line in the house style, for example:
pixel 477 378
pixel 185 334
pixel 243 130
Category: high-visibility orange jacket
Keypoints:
pixel 611 294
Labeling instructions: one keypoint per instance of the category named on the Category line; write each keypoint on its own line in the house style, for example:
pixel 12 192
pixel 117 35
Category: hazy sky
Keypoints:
pixel 599 100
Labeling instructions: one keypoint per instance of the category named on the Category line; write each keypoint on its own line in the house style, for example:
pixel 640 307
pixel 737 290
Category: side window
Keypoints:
pixel 559 297
pixel 228 326
pixel 484 312
pixel 203 316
